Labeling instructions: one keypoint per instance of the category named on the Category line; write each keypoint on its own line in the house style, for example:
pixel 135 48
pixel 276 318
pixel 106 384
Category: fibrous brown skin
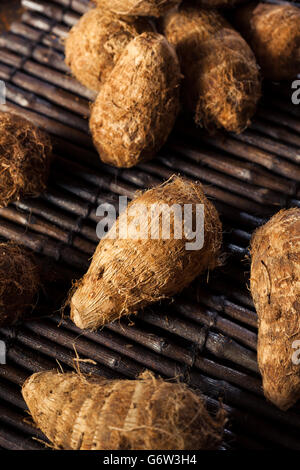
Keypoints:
pixel 138 7
pixel 136 108
pixel 273 31
pixel 222 83
pixel 19 282
pixel 79 412
pixel 96 42
pixel 127 274
pixel 275 287
pixel 25 153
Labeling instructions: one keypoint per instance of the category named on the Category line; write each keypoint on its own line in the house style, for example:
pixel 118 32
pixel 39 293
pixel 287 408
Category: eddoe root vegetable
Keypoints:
pixel 25 153
pixel 19 282
pixel 273 31
pixel 79 412
pixel 138 7
pixel 127 274
pixel 96 42
pixel 222 83
pixel 136 108
pixel 275 287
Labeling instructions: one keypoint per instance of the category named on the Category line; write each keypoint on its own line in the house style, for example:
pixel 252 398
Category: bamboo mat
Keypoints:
pixel 207 335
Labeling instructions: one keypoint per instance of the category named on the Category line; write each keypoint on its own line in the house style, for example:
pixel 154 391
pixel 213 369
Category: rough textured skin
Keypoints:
pixel 275 287
pixel 19 282
pixel 128 274
pixel 80 412
pixel 273 31
pixel 25 153
pixel 96 42
pixel 138 7
pixel 136 108
pixel 222 83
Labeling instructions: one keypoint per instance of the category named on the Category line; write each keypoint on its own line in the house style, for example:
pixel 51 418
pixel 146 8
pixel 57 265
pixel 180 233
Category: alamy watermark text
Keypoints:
pixel 156 221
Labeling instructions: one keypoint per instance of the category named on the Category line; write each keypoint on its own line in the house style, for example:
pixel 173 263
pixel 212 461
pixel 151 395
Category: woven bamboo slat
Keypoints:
pixel 16 441
pixel 208 341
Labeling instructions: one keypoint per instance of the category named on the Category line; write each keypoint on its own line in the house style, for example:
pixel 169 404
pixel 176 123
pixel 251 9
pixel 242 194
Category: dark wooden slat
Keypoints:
pixel 99 354
pixel 255 154
pixel 55 12
pixel 224 311
pixel 17 421
pixel 15 441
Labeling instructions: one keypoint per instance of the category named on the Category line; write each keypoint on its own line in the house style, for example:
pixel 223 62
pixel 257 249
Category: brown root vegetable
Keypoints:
pixel 24 158
pixel 136 108
pixel 138 7
pixel 129 273
pixel 222 83
pixel 96 42
pixel 19 282
pixel 273 31
pixel 275 287
pixel 79 412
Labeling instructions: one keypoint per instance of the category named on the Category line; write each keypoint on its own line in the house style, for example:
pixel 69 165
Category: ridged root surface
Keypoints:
pixel 92 413
pixel 273 31
pixel 96 42
pixel 136 108
pixel 221 78
pixel 127 274
pixel 275 287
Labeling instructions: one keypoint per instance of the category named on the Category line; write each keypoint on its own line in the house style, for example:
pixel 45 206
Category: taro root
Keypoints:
pixel 275 287
pixel 130 272
pixel 138 7
pixel 221 78
pixel 25 153
pixel 78 412
pixel 273 32
pixel 19 282
pixel 96 42
pixel 136 108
